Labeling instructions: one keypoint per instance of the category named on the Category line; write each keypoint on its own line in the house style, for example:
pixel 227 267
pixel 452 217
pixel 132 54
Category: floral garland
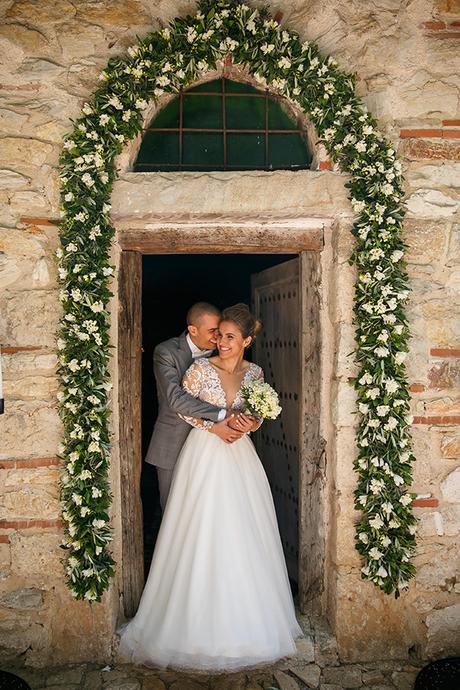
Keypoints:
pixel 163 62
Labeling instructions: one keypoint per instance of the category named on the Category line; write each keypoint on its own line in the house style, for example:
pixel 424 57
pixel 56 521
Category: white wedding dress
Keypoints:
pixel 218 595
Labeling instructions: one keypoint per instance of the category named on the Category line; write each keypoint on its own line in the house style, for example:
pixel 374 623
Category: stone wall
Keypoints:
pixel 408 64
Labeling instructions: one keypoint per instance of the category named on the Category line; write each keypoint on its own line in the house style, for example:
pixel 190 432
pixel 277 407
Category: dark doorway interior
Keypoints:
pixel 170 284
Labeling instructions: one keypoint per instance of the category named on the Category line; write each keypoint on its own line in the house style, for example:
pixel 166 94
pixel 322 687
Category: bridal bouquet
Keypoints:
pixel 261 399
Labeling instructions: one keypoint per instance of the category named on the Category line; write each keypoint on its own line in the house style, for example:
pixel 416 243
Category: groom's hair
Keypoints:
pixel 198 310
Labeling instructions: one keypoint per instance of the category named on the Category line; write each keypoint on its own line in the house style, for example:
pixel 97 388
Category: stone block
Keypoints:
pixel 450 445
pixel 344 405
pixel 442 407
pixel 30 42
pixel 404 680
pixel 26 154
pixel 426 241
pixel 281 191
pixel 444 374
pixel 30 242
pixel 29 203
pixel 121 13
pixel 28 364
pixel 305 649
pixel 453 252
pixel 36 14
pixel 93 681
pixel 345 366
pixel 344 676
pixel 433 175
pixel 360 611
pixel 450 487
pixel 27 598
pixel 66 631
pixel 430 525
pixel 440 317
pixel 439 575
pixel 30 427
pixel 36 556
pixel 431 203
pixel 31 388
pixel 443 631
pixel 30 317
pixel 32 500
pixel 9 179
pixel 22 273
pixel 326 649
pixel 309 675
pixel 372 678
pixel 22 636
pixel 70 676
pixel 285 681
pixel 448 6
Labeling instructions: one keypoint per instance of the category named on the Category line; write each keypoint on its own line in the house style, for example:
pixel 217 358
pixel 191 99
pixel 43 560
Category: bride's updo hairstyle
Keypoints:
pixel 247 323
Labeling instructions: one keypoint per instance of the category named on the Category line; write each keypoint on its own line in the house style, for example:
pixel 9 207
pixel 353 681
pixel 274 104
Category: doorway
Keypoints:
pixel 170 285
pixel 192 261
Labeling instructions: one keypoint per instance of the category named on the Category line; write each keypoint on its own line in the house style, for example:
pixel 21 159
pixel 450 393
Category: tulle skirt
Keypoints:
pixel 218 595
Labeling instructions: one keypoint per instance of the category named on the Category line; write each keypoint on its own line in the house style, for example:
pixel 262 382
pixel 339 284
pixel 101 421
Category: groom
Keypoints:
pixel 171 359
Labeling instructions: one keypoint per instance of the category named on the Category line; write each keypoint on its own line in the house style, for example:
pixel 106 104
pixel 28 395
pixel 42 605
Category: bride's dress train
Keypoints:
pixel 218 595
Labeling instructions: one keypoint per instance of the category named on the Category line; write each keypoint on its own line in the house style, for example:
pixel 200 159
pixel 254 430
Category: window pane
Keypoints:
pixel 159 147
pixel 245 113
pixel 203 149
pixel 207 87
pixel 239 87
pixel 246 150
pixel 287 151
pixel 278 118
pixel 203 112
pixel 168 117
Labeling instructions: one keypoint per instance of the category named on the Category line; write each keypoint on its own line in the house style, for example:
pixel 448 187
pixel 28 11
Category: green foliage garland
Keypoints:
pixel 163 62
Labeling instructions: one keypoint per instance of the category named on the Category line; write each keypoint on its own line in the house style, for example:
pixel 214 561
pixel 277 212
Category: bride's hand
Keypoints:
pixel 243 422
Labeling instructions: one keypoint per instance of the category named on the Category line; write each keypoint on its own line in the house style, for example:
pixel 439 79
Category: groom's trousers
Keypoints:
pixel 164 484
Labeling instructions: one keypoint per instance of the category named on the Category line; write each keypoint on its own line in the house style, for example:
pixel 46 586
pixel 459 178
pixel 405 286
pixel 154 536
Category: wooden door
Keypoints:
pixel 286 299
pixel 276 300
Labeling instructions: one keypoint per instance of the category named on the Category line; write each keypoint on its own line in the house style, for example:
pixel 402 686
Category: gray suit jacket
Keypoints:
pixel 171 360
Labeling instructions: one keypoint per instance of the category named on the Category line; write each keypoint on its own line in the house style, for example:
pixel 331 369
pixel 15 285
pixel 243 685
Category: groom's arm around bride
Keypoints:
pixel 171 360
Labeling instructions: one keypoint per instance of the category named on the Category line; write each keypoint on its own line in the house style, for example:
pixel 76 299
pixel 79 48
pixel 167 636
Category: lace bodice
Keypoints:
pixel 202 380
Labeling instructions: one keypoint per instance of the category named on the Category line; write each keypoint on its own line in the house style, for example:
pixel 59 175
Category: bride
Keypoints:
pixel 217 596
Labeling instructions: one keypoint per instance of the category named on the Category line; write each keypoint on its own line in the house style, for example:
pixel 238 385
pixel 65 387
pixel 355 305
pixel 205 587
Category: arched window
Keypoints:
pixel 223 125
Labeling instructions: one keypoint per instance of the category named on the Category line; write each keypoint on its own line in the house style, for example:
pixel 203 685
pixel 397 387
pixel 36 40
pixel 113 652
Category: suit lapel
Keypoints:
pixel 184 349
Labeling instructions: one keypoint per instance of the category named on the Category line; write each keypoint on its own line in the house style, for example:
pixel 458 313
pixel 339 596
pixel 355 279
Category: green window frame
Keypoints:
pixel 223 125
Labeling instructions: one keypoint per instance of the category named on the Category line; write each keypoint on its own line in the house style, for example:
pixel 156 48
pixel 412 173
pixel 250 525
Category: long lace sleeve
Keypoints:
pixel 193 384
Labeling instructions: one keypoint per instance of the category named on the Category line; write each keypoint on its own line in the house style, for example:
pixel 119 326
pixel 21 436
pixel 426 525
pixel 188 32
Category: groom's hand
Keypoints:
pixel 225 432
pixel 244 423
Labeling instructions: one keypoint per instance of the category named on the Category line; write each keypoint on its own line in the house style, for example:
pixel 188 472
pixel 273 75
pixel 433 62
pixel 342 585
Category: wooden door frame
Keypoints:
pixel 136 237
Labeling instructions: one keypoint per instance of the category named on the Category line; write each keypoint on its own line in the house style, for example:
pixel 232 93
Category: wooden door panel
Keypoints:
pixel 275 294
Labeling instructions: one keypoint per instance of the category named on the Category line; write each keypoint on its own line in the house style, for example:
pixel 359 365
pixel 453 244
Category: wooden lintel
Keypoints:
pixel 221 240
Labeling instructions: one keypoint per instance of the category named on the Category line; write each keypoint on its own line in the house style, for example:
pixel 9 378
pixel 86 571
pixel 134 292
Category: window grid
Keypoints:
pixel 224 130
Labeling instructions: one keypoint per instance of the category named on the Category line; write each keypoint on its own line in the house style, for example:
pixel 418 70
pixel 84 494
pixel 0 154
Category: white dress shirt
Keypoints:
pixel 196 352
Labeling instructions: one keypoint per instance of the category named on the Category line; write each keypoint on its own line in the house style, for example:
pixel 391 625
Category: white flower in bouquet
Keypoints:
pixel 261 399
